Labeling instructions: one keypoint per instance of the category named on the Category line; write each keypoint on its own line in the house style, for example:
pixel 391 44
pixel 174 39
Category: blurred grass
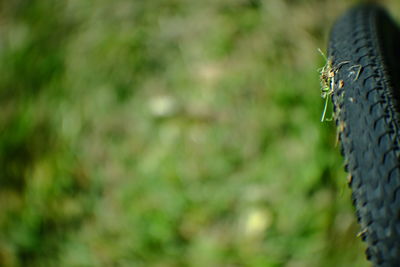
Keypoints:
pixel 169 133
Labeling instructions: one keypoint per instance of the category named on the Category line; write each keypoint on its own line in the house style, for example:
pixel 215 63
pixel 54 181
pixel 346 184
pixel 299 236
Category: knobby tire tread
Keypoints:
pixel 367 118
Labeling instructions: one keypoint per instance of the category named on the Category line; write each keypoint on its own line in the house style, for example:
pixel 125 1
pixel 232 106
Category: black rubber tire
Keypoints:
pixel 366 112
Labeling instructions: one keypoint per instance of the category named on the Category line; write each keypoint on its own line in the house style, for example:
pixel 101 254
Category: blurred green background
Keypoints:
pixel 170 133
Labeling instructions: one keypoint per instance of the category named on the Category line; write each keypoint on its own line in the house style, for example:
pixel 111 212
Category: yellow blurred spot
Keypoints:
pixel 257 222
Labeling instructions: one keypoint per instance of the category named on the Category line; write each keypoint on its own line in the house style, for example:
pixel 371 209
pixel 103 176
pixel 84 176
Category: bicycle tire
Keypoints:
pixel 364 46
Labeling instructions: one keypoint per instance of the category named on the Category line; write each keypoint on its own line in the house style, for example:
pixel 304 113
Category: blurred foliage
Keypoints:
pixel 169 133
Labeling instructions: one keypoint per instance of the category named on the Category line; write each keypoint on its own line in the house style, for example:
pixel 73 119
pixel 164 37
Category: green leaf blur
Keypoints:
pixel 169 133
